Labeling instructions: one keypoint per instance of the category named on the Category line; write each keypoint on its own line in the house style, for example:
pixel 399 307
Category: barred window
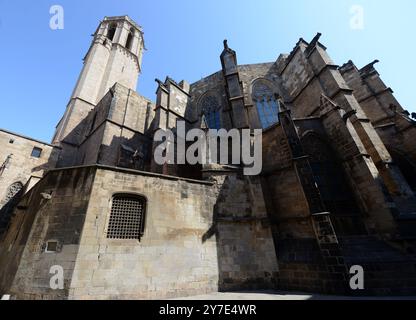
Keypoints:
pixel 127 217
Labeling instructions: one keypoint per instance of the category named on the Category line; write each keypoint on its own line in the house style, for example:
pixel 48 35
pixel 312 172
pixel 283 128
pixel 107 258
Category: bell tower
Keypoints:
pixel 115 55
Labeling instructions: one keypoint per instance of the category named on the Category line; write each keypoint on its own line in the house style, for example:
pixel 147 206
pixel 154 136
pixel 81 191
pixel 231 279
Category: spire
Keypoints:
pixel 232 78
pixel 313 43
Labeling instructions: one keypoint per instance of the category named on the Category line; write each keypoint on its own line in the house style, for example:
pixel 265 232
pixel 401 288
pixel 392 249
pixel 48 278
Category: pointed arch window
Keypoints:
pixel 266 104
pixel 211 111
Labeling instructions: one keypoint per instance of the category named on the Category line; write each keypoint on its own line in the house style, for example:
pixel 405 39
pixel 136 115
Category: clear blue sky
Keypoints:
pixel 39 66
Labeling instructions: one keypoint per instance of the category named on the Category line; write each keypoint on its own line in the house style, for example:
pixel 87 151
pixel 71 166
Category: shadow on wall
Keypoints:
pixel 131 153
pixel 58 204
pixel 17 190
pixel 405 165
pixel 245 250
pixel 14 193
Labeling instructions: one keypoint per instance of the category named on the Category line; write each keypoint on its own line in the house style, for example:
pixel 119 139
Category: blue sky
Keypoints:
pixel 39 66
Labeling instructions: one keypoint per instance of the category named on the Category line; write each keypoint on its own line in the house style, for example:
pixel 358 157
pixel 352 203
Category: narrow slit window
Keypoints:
pixel 129 41
pixel 111 32
pixel 94 119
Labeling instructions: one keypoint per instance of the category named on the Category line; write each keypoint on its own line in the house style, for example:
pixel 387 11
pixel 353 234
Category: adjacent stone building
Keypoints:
pixel 337 186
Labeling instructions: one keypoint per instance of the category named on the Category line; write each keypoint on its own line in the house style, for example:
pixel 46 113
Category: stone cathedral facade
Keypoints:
pixel 337 186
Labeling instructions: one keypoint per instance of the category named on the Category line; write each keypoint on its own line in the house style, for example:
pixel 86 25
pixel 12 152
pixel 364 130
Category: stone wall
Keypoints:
pixel 19 170
pixel 246 250
pixel 303 265
pixel 178 254
pixel 170 260
pixel 214 85
pixel 211 85
pixel 389 118
pixel 54 210
pixel 119 122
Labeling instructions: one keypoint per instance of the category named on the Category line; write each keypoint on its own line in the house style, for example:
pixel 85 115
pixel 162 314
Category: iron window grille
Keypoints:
pixel 127 217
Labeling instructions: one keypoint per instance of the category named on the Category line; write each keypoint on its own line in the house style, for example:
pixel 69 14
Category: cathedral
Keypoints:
pixel 336 189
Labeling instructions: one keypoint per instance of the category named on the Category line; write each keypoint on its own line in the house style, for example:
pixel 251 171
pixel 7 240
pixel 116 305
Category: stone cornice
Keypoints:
pixel 131 171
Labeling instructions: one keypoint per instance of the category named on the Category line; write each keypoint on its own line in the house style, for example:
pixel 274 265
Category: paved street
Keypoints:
pixel 270 295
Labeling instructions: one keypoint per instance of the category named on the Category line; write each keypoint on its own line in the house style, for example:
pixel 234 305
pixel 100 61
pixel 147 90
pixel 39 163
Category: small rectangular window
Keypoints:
pixel 51 246
pixel 36 152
